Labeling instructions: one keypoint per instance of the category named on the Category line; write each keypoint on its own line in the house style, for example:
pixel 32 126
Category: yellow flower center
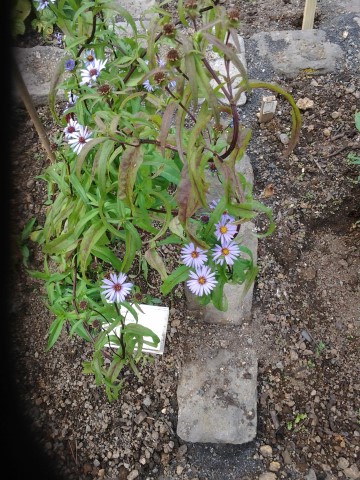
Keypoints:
pixel 225 251
pixel 223 229
pixel 194 254
pixel 202 280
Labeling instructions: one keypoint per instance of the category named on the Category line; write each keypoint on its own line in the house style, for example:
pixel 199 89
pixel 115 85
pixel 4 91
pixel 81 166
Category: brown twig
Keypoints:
pixel 345 147
pixel 29 105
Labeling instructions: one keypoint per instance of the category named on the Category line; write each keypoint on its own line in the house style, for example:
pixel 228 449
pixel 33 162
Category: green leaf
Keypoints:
pixel 89 240
pixel 54 331
pixel 132 245
pixel 156 262
pixel 130 163
pixel 357 120
pixel 140 330
pixel 107 255
pixel 178 275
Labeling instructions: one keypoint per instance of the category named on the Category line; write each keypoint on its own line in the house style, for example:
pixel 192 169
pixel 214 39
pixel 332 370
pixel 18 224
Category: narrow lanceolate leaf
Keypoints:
pixel 107 255
pixel 180 274
pixel 129 165
pixel 85 150
pixel 179 125
pixel 105 150
pixel 357 120
pixel 187 201
pixel 89 240
pixel 218 297
pixel 168 215
pixel 156 262
pixel 140 330
pixel 190 66
pixel 54 331
pixel 65 243
pixel 229 54
pixel 167 121
pixel 132 245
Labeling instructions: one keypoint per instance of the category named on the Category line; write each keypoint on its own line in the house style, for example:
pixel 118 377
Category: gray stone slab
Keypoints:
pixel 239 302
pixel 292 52
pixel 137 8
pixel 37 66
pixel 217 395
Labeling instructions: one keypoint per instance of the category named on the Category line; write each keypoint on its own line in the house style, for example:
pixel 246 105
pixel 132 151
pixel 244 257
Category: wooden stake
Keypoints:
pixel 267 108
pixel 26 98
pixel 309 14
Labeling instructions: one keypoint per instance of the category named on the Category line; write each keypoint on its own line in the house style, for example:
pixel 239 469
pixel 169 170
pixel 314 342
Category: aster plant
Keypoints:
pixel 146 118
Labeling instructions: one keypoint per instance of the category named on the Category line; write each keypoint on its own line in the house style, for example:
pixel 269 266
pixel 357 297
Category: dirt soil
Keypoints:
pixel 306 308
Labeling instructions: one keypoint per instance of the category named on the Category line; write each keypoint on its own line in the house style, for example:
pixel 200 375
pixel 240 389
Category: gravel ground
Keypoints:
pixel 305 325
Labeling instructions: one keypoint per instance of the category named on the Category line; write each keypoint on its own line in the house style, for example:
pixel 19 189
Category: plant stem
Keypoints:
pixel 29 105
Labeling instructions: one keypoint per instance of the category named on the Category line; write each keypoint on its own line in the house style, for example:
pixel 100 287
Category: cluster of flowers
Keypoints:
pixel 76 134
pixel 202 279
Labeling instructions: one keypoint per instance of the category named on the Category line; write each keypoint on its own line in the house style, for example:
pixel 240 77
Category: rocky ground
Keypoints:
pixel 306 308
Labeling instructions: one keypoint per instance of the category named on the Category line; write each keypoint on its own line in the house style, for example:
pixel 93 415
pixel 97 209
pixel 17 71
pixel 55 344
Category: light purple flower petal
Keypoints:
pixel 202 281
pixel 226 252
pixel 116 289
pixel 193 256
pixel 225 230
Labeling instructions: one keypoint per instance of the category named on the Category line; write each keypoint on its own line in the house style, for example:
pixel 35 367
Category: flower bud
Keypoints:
pixel 169 29
pixel 233 15
pixel 173 56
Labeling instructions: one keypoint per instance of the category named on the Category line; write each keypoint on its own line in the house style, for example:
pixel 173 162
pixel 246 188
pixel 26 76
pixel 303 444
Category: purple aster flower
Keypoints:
pixel 226 252
pixel 78 139
pixel 172 84
pixel 147 85
pixel 72 127
pixel 91 72
pixel 41 4
pixel 89 57
pixel 69 64
pixel 224 229
pixel 193 256
pixel 202 281
pixel 161 62
pixel 225 215
pixel 59 38
pixel 115 289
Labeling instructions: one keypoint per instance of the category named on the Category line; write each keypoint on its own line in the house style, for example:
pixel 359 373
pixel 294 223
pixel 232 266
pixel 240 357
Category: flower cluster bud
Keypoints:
pixel 169 29
pixel 173 56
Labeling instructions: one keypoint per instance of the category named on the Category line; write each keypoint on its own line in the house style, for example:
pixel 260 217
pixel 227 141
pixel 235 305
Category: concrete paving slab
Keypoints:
pixel 217 396
pixel 292 52
pixel 37 66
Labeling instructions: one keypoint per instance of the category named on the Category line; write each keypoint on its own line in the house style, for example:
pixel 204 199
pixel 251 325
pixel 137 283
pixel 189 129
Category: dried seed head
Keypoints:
pixel 138 296
pixel 104 89
pixel 212 167
pixel 159 77
pixel 218 128
pixel 204 218
pixel 173 55
pixel 233 15
pixel 83 304
pixel 169 29
pixel 191 4
pixel 95 324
